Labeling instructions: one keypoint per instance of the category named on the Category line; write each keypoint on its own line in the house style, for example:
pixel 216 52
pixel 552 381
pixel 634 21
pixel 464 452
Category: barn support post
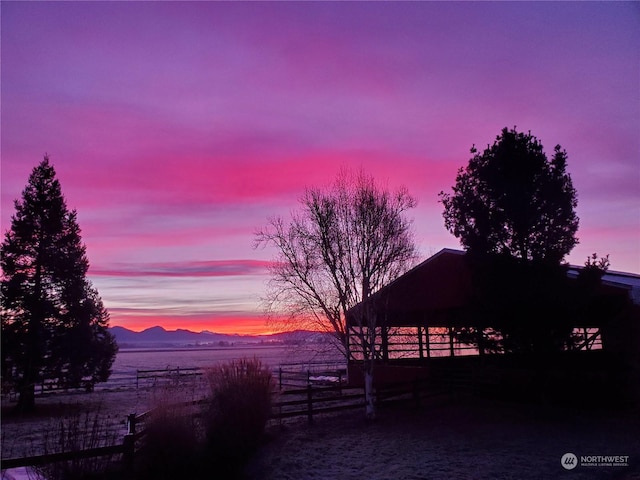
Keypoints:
pixel 384 333
pixel 451 341
pixel 480 332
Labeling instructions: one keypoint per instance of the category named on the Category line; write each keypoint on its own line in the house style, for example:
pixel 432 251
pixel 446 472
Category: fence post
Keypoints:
pixel 131 424
pixel 308 377
pixel 129 443
pixel 280 376
pixel 129 448
pixel 309 404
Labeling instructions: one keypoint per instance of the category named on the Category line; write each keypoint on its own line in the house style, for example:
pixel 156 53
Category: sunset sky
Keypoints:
pixel 177 129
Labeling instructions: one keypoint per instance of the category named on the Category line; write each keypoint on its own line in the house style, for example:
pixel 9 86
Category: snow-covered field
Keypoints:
pixel 119 397
pixel 467 439
pixel 462 439
pixel 114 400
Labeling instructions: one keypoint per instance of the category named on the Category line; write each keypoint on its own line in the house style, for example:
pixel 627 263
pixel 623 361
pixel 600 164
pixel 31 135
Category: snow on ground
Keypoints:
pixel 462 440
pixel 22 434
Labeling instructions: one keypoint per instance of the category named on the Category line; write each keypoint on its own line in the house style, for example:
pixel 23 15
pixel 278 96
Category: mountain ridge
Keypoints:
pixel 159 336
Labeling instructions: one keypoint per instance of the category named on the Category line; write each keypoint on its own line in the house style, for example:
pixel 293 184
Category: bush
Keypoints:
pixel 170 444
pixel 237 412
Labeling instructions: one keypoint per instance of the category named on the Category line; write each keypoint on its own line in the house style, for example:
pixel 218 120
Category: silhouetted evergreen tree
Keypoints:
pixel 530 305
pixel 514 212
pixel 512 200
pixel 54 325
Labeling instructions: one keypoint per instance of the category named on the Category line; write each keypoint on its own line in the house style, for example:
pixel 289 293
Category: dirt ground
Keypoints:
pixel 463 440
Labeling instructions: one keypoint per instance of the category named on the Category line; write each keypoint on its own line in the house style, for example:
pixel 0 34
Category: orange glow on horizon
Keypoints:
pixel 229 326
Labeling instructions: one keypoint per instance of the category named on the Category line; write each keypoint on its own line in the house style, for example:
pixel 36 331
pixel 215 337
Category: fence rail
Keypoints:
pixel 298 375
pixel 316 400
pixel 166 374
pixel 38 460
pixel 53 386
pixel 290 375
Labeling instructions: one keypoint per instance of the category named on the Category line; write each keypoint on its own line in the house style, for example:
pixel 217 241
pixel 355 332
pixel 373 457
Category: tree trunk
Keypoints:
pixel 26 398
pixel 368 390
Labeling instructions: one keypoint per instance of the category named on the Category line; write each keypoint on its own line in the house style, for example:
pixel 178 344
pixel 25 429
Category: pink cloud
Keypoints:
pixel 124 180
pixel 212 268
pixel 195 177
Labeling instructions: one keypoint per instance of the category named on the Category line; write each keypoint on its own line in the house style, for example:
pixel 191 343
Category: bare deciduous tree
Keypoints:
pixel 342 245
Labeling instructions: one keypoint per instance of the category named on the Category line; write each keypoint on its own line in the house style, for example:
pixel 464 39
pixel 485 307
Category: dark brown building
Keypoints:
pixel 419 314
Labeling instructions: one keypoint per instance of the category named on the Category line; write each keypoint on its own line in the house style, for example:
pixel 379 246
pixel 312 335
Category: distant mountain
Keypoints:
pixel 159 337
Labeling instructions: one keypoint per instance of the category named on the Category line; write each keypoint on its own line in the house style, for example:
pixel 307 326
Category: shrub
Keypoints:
pixel 170 444
pixel 237 412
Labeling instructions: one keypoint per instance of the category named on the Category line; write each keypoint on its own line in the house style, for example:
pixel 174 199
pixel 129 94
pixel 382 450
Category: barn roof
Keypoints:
pixel 438 292
pixel 620 280
pixel 436 288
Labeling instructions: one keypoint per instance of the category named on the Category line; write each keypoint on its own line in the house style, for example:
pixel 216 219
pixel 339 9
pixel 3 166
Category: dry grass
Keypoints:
pixel 78 430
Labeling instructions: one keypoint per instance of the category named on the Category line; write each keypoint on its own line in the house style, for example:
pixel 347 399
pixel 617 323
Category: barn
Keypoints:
pixel 420 314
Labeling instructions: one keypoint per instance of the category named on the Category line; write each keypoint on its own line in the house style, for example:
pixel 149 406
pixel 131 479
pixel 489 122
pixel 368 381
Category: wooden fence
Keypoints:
pixel 309 402
pixel 53 386
pixel 127 449
pixel 300 375
pixel 154 377
pixel 291 375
